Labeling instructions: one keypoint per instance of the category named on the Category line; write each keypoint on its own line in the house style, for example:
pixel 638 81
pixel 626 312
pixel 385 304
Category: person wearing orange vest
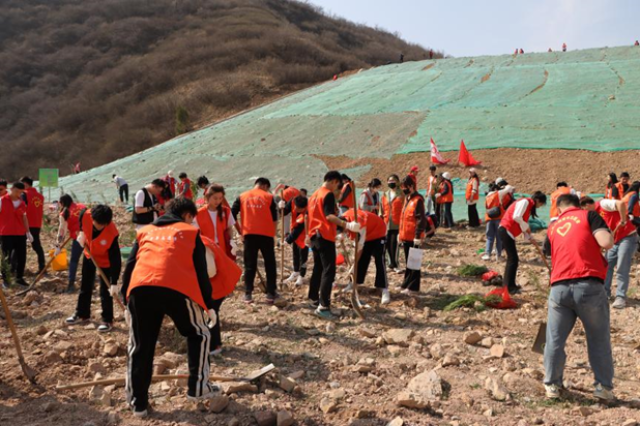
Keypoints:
pixel 624 182
pixel 184 187
pixel 98 237
pixel 285 195
pixel 577 291
pixel 70 223
pixel 613 190
pixel 444 200
pixel 14 233
pixel 472 195
pixel 413 174
pixel 216 221
pixel 297 238
pixel 168 274
pixel 496 203
pixel 513 224
pixel 35 212
pixel 392 203
pixel 373 232
pixel 370 197
pixel 414 227
pixel 622 217
pixel 322 229
pixel 258 220
pixel 345 201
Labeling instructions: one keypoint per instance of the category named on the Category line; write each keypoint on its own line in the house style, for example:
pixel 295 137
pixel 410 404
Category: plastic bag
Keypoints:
pixel 506 303
pixel 60 262
pixel 414 261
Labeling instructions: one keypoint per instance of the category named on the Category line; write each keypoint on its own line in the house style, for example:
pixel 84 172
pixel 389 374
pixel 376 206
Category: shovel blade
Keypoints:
pixel 259 373
pixel 541 339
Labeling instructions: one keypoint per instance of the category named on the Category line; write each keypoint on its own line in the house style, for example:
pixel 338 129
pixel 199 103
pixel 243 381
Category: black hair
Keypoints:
pixel 433 168
pixel 102 214
pixel 304 191
pixel 634 187
pixel 408 182
pixel 66 201
pixel 585 201
pixel 202 181
pixel 181 206
pixel 3 182
pixel 335 175
pixel 374 182
pixel 561 185
pixel 159 182
pixel 394 176
pixel 568 200
pixel 625 174
pixel 263 181
pixel 537 196
pixel 300 202
pixel 18 185
pixel 614 180
pixel 502 184
pixel 113 175
pixel 182 175
pixel 344 178
pixel 27 180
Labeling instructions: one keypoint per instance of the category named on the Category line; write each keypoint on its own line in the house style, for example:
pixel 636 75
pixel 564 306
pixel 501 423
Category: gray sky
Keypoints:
pixel 472 28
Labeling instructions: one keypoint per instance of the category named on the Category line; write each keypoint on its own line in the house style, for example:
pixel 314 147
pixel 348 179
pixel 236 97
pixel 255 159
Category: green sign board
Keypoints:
pixel 48 178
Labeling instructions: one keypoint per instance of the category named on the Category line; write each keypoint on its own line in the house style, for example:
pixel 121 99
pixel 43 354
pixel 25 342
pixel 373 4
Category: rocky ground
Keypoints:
pixel 408 363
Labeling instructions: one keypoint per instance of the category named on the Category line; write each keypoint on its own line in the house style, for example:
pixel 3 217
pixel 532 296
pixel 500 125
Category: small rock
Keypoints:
pixel 328 405
pixel 496 389
pixel 99 396
pixel 488 413
pixel 336 394
pixel 472 338
pixel 297 375
pixel 497 351
pixel 110 349
pixel 436 351
pixel 218 403
pixel 450 360
pixel 287 384
pixel 427 385
pixel 234 422
pixel 487 342
pixel 235 387
pixel 96 367
pixel 630 422
pixel 285 418
pixel 42 330
pixel 584 411
pixel 266 418
pixel 398 336
pixel 367 332
pixel 52 357
pixel 48 407
pixel 281 302
pixel 395 350
pixel 396 422
pixel 113 418
pixel 410 400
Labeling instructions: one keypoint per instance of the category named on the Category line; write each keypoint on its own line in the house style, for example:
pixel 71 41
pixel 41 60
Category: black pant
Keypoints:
pixel 83 309
pixel 474 219
pixel 14 252
pixel 373 249
pixel 392 247
pixel 448 216
pixel 300 257
pixel 216 337
pixel 411 277
pixel 37 247
pixel 148 305
pixel 124 193
pixel 511 268
pixel 252 245
pixel 324 270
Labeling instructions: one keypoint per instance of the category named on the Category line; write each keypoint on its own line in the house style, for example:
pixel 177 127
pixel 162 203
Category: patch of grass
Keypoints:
pixel 469 301
pixel 472 270
pixel 441 301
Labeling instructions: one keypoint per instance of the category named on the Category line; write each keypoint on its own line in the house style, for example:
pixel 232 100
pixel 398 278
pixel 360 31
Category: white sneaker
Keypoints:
pixel 140 414
pixel 292 278
pixel 348 288
pixel 398 271
pixel 386 297
pixel 211 391
pixel 603 394
pixel 620 303
pixel 552 391
pixel 486 257
pixel 300 281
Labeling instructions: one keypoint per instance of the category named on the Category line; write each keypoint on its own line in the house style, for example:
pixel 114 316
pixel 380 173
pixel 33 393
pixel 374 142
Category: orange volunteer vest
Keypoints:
pixel 445 198
pixel 98 247
pixel 553 212
pixel 469 192
pixel 255 213
pixel 318 223
pixel 392 210
pixel 408 223
pixel 228 273
pixel 207 229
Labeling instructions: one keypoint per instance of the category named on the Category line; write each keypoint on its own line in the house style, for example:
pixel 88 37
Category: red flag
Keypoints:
pixel 465 157
pixel 436 157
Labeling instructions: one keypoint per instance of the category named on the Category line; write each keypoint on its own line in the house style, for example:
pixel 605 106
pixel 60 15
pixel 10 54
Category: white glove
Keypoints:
pixel 417 242
pixel 213 317
pixel 282 204
pixel 29 237
pixel 353 226
pixel 81 239
pixel 113 290
pixel 56 251
pixel 211 264
pixel 234 247
pixel 339 237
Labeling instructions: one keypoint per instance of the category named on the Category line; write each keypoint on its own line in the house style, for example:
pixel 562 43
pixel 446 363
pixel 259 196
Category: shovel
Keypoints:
pixel 255 375
pixel 29 372
pixel 355 298
pixel 541 337
pixel 103 276
pixel 41 274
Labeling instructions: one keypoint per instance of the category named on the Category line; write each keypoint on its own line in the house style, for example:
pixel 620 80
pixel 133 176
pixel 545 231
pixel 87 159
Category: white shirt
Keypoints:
pixel 16 203
pixel 518 215
pixel 610 206
pixel 140 203
pixel 474 190
pixel 119 181
pixel 214 219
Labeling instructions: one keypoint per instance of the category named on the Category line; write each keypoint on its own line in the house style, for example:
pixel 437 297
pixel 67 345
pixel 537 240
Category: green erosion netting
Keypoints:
pixel 586 99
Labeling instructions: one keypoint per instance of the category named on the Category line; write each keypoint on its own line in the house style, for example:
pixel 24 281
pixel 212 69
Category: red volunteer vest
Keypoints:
pixel 511 225
pixel 575 253
pixel 11 218
pixel 227 272
pixel 376 228
pixel 553 212
pixel 181 186
pixel 73 222
pixel 165 259
pixel 408 223
pixel 318 223
pixel 99 247
pixel 392 210
pixel 347 202
pixel 255 213
pixel 208 230
pixel 35 208
pixel 612 219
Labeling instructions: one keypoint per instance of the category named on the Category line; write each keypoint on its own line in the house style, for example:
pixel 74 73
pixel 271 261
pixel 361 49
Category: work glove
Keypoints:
pixel 417 242
pixel 353 227
pixel 81 239
pixel 339 237
pixel 29 237
pixel 213 317
pixel 234 247
pixel 282 204
pixel 57 250
pixel 211 264
pixel 113 290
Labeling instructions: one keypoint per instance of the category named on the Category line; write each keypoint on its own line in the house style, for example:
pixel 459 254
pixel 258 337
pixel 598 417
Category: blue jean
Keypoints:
pixel 492 235
pixel 76 252
pixel 585 299
pixel 620 257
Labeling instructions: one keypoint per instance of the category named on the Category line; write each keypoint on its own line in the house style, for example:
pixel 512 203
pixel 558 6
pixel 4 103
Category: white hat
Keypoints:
pixel 170 173
pixel 510 189
pixel 498 180
pixel 472 170
pixel 446 175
